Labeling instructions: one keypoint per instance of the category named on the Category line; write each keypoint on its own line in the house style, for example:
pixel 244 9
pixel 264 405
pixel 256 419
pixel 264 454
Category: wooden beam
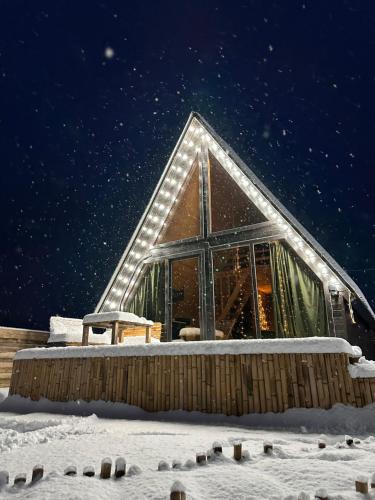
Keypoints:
pixel 148 335
pixel 85 335
pixel 114 333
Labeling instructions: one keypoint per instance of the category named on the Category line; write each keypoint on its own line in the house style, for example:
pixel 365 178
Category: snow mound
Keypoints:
pixel 364 368
pixel 70 330
pixel 16 432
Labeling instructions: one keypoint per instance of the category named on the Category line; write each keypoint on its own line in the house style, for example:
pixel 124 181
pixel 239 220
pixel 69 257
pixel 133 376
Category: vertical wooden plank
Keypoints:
pixel 267 383
pixel 232 385
pixel 348 381
pixel 205 366
pixel 254 373
pixel 239 399
pixel 186 383
pixel 227 384
pixel 368 395
pixel 294 379
pixel 211 402
pixel 324 379
pixel 190 383
pixel 284 384
pixel 181 381
pixel 312 381
pixel 262 392
pixel 224 398
pixel 335 377
pixel 341 381
pixel 318 380
pixel 194 375
pixel 114 339
pixel 300 381
pixel 330 387
pixel 216 387
pixel 272 379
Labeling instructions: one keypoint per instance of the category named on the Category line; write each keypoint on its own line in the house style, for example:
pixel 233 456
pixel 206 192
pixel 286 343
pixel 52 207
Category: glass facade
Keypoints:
pixel 250 289
pixel 230 207
pixel 185 294
pixel 183 221
pixel 234 305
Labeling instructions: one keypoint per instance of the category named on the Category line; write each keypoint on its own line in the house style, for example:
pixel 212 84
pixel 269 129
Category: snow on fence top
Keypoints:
pixel 365 368
pixel 265 346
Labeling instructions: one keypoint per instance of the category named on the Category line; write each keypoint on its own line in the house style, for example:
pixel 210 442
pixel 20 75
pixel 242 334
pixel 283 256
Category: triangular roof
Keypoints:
pixel 196 135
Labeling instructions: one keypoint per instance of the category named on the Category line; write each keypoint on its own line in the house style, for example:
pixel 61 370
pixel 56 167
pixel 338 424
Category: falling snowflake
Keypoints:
pixel 109 52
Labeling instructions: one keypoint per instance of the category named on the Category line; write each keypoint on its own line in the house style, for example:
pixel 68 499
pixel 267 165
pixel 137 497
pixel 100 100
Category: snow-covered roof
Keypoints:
pixel 260 346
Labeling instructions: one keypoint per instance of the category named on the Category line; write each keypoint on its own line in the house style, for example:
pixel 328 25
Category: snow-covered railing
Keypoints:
pixel 231 377
pixel 310 345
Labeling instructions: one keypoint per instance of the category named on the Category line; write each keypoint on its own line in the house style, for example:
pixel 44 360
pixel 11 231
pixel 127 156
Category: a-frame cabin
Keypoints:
pixel 216 251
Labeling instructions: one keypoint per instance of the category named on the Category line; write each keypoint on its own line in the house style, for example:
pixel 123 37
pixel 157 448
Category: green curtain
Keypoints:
pixel 149 298
pixel 298 296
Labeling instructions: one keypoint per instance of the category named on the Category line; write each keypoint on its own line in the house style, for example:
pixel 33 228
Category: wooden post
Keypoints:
pixel 20 479
pixel 148 334
pixel 71 470
pixel 303 496
pixel 178 491
pixel 120 467
pixel 237 450
pixel 349 440
pixel 267 447
pixel 201 458
pixel 361 485
pixel 105 471
pixel 217 448
pixel 163 465
pixel 89 471
pixel 85 335
pixel 372 481
pixel 121 335
pixel 321 494
pixel 4 478
pixel 37 473
pixel 114 332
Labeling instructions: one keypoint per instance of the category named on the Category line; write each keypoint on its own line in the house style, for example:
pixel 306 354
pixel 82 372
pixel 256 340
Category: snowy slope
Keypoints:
pixel 296 464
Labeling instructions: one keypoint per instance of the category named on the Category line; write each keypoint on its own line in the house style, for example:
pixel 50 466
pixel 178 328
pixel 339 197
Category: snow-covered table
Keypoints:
pixel 116 321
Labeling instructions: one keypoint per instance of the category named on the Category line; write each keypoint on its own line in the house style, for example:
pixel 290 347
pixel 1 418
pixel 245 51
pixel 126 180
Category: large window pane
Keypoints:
pixel 264 290
pixel 298 295
pixel 230 207
pixel 185 294
pixel 184 219
pixel 149 298
pixel 233 293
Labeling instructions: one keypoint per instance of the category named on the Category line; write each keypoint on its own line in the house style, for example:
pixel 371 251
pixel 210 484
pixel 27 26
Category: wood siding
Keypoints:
pixel 229 384
pixel 13 340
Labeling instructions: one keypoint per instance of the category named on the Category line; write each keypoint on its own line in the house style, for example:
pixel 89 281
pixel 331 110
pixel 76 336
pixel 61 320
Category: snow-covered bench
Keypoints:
pixel 68 331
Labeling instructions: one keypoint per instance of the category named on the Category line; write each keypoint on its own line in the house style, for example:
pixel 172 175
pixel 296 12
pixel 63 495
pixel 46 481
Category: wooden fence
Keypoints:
pixel 13 340
pixel 228 384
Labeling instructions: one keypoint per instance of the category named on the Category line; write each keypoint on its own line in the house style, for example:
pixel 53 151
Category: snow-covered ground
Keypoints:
pixel 296 464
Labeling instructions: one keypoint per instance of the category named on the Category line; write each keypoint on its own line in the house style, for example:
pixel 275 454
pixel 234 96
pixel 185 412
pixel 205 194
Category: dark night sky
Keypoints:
pixel 290 85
